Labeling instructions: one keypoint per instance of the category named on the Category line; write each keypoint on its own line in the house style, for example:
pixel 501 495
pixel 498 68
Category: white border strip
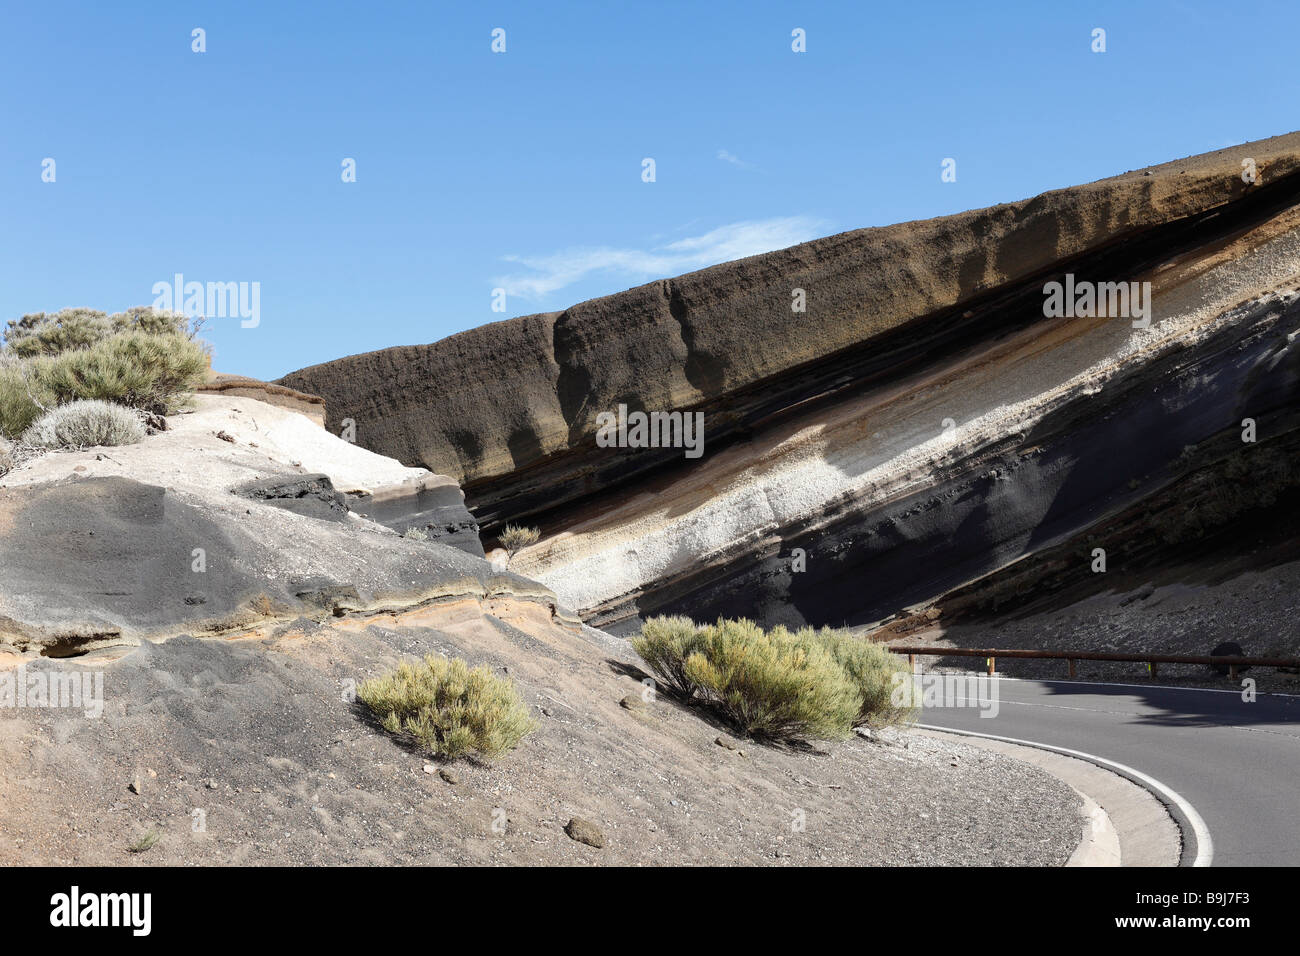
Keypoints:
pixel 1204 844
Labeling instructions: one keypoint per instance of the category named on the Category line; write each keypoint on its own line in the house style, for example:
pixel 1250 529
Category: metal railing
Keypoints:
pixel 1151 660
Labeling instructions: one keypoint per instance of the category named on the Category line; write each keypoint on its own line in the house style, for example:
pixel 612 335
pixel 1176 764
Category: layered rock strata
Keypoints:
pixel 925 422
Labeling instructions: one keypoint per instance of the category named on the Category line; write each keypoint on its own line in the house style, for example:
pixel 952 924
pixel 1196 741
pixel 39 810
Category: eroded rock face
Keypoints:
pixel 493 401
pixel 434 504
pixel 924 423
pixel 103 561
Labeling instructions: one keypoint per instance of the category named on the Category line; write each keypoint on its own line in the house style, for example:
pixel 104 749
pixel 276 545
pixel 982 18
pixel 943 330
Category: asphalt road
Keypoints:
pixel 1236 763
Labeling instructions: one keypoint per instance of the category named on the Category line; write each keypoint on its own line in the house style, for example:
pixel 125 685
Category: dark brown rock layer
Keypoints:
pixel 509 408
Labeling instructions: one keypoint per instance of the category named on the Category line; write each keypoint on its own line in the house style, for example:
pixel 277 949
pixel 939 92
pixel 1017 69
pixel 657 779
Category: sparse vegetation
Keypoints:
pixel 146 842
pixel 664 644
pixel 43 333
pixel 84 424
pixel 449 708
pixel 776 684
pixel 515 538
pixel 872 669
pixel 416 534
pixel 140 358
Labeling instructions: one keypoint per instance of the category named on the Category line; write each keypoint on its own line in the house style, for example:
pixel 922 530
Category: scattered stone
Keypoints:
pixel 633 703
pixel 726 742
pixel 449 775
pixel 584 831
pixel 210 784
pixel 863 732
pixel 430 768
pixel 135 786
pixel 225 436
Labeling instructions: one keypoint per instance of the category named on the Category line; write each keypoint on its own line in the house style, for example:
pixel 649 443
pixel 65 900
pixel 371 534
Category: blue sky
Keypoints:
pixel 523 170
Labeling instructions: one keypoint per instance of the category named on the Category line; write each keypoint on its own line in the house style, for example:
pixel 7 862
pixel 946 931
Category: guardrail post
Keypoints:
pixel 911 663
pixel 990 666
pixel 1071 666
pixel 1155 668
pixel 1232 671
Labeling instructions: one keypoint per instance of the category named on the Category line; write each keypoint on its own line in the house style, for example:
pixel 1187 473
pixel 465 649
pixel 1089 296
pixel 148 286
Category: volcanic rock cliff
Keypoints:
pixel 926 422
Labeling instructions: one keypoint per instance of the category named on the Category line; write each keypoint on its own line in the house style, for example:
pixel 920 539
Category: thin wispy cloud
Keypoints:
pixel 547 274
pixel 729 157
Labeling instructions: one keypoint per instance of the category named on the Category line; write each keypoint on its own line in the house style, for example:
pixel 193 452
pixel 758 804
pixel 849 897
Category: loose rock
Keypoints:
pixel 584 831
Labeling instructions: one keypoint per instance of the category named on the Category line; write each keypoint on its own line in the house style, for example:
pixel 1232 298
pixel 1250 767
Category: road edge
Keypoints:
pixel 1197 845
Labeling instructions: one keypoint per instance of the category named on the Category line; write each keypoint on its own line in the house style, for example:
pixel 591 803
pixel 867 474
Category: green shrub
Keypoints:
pixel 85 424
pixel 449 709
pixel 664 644
pixel 871 667
pixel 139 358
pixel 139 369
pixel 775 684
pixel 43 333
pixel 416 534
pixel 21 397
pixel 51 333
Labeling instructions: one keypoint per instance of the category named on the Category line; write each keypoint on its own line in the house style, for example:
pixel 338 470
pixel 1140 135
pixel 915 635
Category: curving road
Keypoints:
pixel 1236 763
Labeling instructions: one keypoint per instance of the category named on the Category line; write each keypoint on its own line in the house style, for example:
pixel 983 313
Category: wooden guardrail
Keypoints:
pixel 1151 660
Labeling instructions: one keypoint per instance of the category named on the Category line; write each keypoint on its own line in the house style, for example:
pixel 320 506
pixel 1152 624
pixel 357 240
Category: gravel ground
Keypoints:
pixel 245 752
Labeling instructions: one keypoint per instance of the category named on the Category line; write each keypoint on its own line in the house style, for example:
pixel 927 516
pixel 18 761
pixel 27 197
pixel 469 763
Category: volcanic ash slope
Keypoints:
pixel 227 729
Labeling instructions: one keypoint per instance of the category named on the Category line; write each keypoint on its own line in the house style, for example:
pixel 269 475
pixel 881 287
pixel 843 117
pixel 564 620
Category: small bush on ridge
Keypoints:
pixel 84 424
pixel 515 538
pixel 43 333
pixel 449 708
pixel 146 370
